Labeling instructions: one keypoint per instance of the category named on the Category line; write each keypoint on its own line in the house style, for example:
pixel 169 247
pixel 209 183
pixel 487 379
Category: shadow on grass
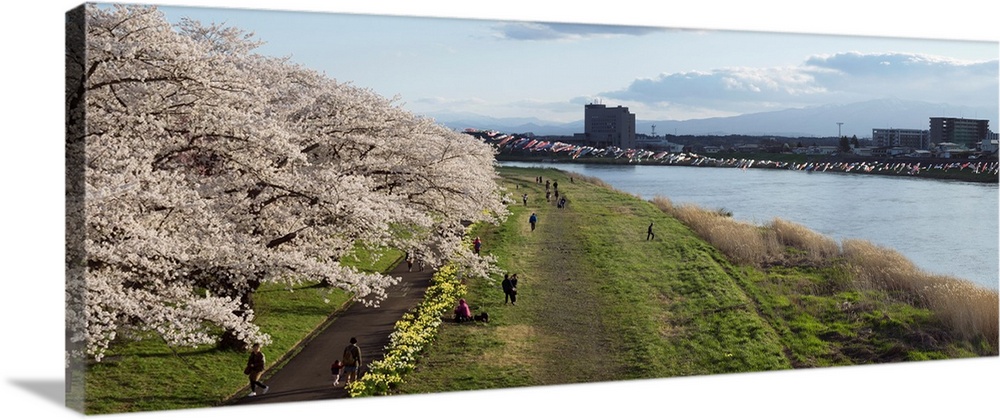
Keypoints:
pixel 112 360
pixel 162 403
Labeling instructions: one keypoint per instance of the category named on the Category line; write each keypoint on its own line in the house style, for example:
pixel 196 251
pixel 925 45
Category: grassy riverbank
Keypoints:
pixel 598 302
pixel 149 375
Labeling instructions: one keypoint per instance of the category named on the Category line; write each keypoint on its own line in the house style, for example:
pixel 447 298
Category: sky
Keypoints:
pixel 444 66
pixel 31 303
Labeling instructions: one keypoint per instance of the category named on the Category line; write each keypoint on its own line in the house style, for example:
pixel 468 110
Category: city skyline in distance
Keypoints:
pixel 857 119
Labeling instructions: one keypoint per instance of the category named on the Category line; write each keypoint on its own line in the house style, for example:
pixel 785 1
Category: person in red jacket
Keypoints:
pixel 335 371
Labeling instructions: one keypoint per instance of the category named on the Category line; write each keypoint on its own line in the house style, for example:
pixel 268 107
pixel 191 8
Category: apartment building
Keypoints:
pixel 962 131
pixel 606 127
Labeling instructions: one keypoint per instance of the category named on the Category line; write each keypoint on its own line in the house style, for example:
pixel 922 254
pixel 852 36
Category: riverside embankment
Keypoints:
pixel 944 227
pixel 592 285
pixel 597 302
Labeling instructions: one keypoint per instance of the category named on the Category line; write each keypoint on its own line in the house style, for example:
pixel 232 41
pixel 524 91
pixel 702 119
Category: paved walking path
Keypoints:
pixel 306 376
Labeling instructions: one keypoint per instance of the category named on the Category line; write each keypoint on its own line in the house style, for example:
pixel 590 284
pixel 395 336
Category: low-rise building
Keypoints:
pixel 989 144
pixel 900 137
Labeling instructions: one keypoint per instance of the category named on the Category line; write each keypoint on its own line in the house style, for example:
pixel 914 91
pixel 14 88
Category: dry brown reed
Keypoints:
pixel 592 180
pixel 969 310
pixel 879 268
pixel 743 243
pixel 816 248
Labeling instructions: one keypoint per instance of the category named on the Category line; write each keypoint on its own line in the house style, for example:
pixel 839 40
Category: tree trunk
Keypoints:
pixel 229 339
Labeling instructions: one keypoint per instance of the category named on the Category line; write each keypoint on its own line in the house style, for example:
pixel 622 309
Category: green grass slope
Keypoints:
pixel 598 302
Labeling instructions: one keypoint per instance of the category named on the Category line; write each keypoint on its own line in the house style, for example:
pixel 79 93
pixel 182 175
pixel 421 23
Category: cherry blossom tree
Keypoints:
pixel 208 169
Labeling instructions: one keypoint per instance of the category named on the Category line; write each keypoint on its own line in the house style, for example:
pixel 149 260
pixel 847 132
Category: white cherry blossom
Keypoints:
pixel 199 169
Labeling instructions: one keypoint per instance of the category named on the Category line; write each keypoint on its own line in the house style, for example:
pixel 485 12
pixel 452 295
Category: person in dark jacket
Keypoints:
pixel 508 290
pixel 352 361
pixel 255 367
pixel 513 289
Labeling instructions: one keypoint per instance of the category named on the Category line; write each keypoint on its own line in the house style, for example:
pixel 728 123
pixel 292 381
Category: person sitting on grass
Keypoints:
pixel 463 312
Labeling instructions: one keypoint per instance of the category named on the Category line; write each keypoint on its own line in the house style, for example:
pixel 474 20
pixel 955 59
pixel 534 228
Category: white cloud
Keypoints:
pixel 837 78
pixel 908 76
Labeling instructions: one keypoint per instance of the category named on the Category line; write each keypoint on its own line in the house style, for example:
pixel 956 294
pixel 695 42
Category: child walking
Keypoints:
pixel 335 369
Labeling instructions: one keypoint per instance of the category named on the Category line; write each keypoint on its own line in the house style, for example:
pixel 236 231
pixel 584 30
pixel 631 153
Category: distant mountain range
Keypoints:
pixel 858 119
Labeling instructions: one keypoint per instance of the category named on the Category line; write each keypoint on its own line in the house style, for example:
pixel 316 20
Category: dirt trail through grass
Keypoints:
pixel 596 301
pixel 567 314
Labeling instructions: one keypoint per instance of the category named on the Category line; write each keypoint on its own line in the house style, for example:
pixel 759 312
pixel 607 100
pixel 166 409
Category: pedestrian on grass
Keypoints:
pixel 255 367
pixel 533 219
pixel 513 289
pixel 477 244
pixel 649 232
pixel 508 289
pixel 524 198
pixel 352 361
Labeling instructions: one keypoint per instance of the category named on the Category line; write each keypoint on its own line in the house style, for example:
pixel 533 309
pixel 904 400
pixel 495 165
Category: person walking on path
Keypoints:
pixel 524 198
pixel 476 245
pixel 305 375
pixel 508 289
pixel 335 370
pixel 533 219
pixel 649 232
pixel 513 289
pixel 352 361
pixel 255 367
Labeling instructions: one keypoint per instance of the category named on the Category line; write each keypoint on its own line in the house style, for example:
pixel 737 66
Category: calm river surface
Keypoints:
pixel 944 227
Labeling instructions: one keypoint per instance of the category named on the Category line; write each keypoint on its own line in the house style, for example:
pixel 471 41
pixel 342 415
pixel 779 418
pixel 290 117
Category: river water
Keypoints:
pixel 944 227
